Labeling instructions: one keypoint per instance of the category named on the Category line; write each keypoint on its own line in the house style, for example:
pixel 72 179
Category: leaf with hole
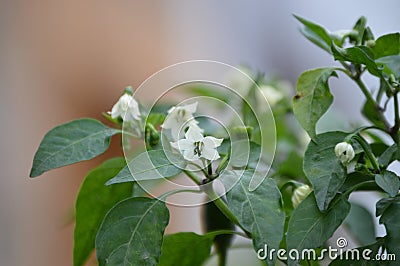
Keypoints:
pixel 313 98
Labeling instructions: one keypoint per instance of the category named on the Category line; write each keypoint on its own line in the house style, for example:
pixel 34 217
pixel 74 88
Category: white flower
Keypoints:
pixel 241 80
pixel 345 152
pixel 127 108
pixel 272 94
pixel 300 194
pixel 179 118
pixel 195 146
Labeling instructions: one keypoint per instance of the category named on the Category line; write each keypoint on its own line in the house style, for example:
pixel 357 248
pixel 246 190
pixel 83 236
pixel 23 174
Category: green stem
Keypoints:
pixel 226 232
pixel 217 200
pixel 355 187
pixel 199 167
pixel 364 90
pixel 367 151
pixel 194 177
pixel 220 203
pixel 209 169
pixel 395 128
pixel 357 79
pixel 176 191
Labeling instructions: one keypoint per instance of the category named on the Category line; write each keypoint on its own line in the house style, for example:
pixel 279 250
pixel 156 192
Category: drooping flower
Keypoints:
pixel 195 146
pixel 345 152
pixel 127 108
pixel 179 118
pixel 300 194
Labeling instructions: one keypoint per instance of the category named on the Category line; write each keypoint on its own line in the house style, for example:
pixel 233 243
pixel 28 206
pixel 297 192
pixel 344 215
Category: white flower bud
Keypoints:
pixel 300 194
pixel 180 118
pixel 272 94
pixel 345 152
pixel 127 108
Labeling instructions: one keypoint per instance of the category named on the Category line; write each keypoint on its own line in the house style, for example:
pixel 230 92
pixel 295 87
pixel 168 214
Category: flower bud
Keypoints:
pixel 345 152
pixel 370 43
pixel 300 194
pixel 152 135
pixel 127 108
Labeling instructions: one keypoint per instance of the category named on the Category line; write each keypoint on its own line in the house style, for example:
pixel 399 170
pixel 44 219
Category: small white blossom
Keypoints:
pixel 195 146
pixel 300 194
pixel 272 94
pixel 345 152
pixel 127 108
pixel 179 118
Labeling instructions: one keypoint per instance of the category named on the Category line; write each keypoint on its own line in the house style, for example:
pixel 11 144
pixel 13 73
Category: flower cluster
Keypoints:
pixel 193 145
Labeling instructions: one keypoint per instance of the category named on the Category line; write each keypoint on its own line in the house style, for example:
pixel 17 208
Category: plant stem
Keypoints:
pixel 364 90
pixel 226 232
pixel 193 177
pixel 220 203
pixel 207 188
pixel 395 128
pixel 368 152
pixel 357 79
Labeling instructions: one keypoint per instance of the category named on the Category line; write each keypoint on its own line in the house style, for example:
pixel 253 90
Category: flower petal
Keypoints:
pixel 190 108
pixel 194 133
pixel 210 154
pixel 185 145
pixel 212 142
pixel 189 155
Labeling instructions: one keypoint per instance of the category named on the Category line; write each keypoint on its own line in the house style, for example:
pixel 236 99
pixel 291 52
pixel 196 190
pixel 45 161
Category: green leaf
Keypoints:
pixel 388 156
pixel 357 55
pixel 292 166
pixel 69 143
pixel 363 232
pixel 212 92
pixel 154 164
pixel 93 202
pixel 389 182
pixel 323 169
pixel 244 152
pixel 386 45
pixel 360 180
pixel 391 64
pixel 185 249
pixel 383 204
pixel 359 27
pixel 310 228
pixel 313 98
pixel 316 34
pixel 132 233
pixel 259 211
pixel 156 119
pixel 370 112
pixel 390 218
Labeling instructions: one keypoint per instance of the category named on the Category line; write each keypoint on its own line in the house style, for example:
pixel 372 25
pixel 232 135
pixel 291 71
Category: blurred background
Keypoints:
pixel 62 60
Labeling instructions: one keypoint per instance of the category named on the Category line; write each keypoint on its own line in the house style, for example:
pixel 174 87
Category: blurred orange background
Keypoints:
pixel 62 60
